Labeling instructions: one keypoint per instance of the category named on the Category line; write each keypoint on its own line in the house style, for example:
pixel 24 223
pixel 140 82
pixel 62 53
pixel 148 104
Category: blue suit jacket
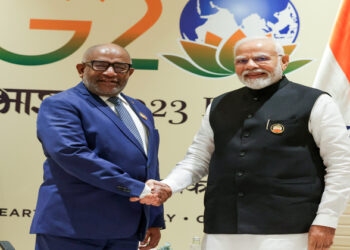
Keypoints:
pixel 94 165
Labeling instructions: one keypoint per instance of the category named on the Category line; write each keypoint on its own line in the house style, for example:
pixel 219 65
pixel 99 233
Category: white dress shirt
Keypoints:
pixel 329 132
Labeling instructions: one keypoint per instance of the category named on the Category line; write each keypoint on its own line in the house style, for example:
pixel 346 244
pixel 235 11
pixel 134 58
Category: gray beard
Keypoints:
pixel 261 83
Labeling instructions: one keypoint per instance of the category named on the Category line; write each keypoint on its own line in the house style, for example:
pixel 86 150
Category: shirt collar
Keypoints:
pixel 105 99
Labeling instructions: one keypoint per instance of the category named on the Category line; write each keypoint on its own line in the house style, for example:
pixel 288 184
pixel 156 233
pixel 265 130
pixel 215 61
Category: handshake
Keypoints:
pixel 160 192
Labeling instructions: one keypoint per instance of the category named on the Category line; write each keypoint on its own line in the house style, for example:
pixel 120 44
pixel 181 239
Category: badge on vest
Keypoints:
pixel 143 115
pixel 277 128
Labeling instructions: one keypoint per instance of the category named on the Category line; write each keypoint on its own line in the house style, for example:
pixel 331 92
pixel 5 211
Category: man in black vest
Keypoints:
pixel 277 155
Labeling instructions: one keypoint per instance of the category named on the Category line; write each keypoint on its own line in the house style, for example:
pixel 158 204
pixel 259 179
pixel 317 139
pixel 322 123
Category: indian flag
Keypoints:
pixel 333 75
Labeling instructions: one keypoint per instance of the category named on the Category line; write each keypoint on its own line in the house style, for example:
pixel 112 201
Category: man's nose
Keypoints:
pixel 251 64
pixel 109 71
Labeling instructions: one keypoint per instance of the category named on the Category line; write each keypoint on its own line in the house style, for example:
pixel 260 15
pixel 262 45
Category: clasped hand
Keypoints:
pixel 160 192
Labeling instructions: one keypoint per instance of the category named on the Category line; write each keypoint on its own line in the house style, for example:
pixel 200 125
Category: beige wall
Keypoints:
pixel 21 154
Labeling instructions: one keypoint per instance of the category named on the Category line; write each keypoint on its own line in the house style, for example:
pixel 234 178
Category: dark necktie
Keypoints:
pixel 126 117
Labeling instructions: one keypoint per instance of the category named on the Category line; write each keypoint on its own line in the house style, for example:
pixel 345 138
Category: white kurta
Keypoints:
pixel 329 132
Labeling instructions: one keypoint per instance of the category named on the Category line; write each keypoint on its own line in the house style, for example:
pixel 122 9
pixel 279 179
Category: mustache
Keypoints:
pixel 105 79
pixel 255 71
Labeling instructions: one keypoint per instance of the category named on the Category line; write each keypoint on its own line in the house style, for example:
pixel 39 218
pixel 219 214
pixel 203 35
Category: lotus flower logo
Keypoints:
pixel 214 57
pixel 206 28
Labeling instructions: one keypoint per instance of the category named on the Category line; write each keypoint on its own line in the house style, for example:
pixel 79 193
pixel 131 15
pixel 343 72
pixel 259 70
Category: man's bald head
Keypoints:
pixel 105 48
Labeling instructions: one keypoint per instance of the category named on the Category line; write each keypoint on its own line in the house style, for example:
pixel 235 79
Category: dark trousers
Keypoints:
pixel 49 242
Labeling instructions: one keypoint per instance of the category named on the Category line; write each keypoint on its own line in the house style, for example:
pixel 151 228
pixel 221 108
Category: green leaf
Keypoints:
pixel 188 66
pixel 295 65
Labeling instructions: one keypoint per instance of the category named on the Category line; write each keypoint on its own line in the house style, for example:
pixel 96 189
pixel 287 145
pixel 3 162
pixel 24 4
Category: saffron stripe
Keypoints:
pixel 340 40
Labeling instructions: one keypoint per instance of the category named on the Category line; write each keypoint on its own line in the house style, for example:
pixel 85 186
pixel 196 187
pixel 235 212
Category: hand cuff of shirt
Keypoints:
pixel 326 220
pixel 147 190
pixel 172 185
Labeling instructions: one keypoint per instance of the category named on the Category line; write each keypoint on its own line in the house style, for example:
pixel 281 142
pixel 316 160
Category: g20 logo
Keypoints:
pixel 211 28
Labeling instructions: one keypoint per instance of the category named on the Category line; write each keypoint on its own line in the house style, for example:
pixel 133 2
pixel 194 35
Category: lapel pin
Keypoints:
pixel 143 116
pixel 277 128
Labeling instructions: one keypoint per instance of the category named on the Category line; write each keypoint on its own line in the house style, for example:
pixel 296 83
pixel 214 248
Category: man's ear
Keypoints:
pixel 131 70
pixel 80 67
pixel 284 62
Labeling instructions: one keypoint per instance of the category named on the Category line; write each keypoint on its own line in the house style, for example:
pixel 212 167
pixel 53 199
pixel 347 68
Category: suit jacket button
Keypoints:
pixel 246 134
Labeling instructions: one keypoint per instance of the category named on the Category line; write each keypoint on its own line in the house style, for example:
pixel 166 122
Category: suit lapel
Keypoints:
pixel 105 109
pixel 145 120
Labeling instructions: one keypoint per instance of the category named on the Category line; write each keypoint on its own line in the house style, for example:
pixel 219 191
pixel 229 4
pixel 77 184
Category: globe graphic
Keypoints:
pixel 277 18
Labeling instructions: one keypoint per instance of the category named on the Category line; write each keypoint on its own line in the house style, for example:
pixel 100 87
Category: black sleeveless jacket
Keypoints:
pixel 266 175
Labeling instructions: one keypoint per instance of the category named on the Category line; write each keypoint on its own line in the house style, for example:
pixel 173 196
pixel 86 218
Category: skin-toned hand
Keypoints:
pixel 151 239
pixel 149 199
pixel 163 192
pixel 320 237
pixel 160 192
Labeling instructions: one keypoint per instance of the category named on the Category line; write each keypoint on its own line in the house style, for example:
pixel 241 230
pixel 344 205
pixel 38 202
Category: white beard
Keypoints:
pixel 261 83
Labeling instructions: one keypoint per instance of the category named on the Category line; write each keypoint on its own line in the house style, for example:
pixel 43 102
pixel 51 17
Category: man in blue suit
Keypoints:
pixel 101 147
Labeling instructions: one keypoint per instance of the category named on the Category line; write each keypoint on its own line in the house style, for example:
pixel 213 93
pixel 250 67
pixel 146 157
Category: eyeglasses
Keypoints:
pixel 256 59
pixel 103 66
